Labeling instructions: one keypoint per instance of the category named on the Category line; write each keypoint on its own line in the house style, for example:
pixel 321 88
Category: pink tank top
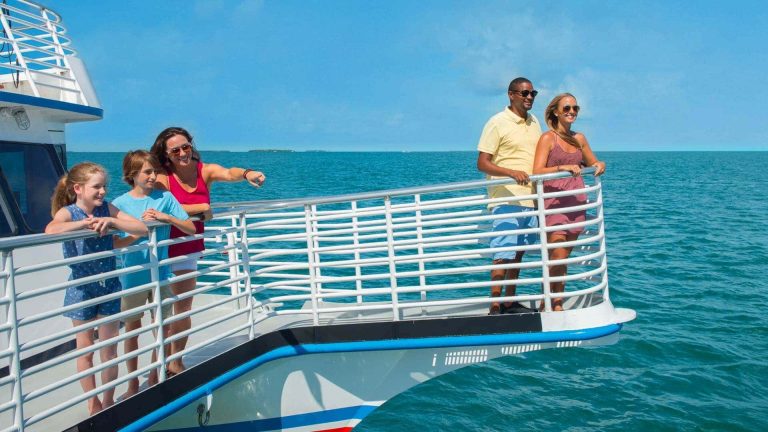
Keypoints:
pixel 201 195
pixel 558 156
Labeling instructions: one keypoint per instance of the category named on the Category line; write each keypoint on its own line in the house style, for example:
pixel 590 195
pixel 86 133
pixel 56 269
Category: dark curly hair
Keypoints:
pixel 160 151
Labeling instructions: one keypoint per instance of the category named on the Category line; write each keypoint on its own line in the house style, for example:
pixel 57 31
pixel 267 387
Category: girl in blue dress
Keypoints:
pixel 78 203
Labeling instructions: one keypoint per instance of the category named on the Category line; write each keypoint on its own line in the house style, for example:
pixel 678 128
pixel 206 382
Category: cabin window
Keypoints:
pixel 31 173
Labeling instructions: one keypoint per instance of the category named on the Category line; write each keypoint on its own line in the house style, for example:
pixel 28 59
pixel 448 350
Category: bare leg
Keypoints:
pixel 108 331
pixel 560 269
pixel 84 339
pixel 502 274
pixel 132 364
pixel 513 274
pixel 181 306
pixel 496 275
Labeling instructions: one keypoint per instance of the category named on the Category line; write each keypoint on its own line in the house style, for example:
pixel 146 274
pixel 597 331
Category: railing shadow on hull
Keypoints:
pixel 383 259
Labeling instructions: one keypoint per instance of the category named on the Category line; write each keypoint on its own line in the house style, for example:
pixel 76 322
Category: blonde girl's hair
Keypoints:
pixel 64 193
pixel 134 160
pixel 552 120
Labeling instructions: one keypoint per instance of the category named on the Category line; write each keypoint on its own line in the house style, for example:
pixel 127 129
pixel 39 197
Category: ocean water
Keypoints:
pixel 687 249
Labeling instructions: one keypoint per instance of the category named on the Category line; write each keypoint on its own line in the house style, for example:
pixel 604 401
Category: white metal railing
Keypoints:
pixel 407 253
pixel 35 53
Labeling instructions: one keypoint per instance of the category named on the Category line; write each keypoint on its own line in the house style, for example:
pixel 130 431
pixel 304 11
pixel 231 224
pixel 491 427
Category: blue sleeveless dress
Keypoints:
pixel 80 293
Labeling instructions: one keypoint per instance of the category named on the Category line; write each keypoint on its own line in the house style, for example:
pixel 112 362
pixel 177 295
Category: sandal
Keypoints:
pixel 515 308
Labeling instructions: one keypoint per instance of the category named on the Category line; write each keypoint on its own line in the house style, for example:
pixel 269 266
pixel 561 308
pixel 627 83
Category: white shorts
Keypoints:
pixel 188 264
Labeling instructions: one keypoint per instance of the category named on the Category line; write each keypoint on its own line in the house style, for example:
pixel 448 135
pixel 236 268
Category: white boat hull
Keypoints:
pixel 330 378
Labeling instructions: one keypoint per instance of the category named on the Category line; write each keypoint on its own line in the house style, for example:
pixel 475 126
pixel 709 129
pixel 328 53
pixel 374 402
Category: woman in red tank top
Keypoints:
pixel 189 180
pixel 562 149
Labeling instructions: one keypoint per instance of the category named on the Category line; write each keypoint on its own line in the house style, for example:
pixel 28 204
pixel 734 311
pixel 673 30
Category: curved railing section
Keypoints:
pixel 410 248
pixel 36 56
pixel 410 253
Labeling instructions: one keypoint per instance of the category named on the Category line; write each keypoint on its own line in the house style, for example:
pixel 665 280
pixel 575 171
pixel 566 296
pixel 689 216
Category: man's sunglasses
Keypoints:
pixel 568 108
pixel 526 93
pixel 177 150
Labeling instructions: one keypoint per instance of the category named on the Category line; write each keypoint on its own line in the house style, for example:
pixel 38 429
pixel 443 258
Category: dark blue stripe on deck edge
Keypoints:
pixel 50 103
pixel 381 345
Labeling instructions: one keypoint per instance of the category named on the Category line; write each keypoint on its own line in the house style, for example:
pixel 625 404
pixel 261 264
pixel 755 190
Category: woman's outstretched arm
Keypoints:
pixel 215 172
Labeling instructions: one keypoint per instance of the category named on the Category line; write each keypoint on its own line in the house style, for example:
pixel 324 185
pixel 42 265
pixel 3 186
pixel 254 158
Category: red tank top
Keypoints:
pixel 201 195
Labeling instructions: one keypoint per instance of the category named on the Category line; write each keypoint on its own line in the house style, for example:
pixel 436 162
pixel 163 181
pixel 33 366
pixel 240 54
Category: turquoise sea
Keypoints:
pixel 687 249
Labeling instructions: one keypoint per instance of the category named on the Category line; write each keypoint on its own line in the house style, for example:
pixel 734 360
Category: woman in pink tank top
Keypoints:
pixel 189 180
pixel 561 149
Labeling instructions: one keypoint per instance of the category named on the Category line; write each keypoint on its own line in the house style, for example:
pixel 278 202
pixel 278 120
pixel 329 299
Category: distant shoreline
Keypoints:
pixel 268 151
pixel 435 151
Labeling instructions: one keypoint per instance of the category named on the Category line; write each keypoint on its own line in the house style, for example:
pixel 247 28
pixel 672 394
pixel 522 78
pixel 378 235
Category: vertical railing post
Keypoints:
pixel 309 228
pixel 420 250
pixel 19 56
pixel 54 38
pixel 246 256
pixel 356 246
pixel 315 247
pixel 13 339
pixel 62 60
pixel 232 251
pixel 544 249
pixel 601 233
pixel 154 274
pixel 391 257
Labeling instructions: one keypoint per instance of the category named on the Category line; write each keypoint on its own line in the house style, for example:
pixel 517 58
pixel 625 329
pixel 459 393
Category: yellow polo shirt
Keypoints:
pixel 511 140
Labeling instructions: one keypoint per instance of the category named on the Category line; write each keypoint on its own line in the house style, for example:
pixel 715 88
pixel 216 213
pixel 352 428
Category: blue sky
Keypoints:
pixel 419 75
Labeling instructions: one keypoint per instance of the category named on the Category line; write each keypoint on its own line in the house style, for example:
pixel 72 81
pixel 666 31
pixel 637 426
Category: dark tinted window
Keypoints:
pixel 6 217
pixel 61 152
pixel 31 173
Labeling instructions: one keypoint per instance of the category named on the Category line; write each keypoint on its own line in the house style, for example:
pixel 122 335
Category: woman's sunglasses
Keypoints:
pixel 568 108
pixel 177 150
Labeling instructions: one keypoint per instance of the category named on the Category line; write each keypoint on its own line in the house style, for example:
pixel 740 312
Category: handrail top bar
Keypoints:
pixel 233 208
pixel 239 206
pixel 41 239
pixel 56 18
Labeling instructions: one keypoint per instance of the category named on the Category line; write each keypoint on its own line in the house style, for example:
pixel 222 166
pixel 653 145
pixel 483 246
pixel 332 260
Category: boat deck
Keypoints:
pixel 77 413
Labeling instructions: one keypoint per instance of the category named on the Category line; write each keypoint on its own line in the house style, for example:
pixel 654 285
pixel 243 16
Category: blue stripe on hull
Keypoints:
pixel 382 345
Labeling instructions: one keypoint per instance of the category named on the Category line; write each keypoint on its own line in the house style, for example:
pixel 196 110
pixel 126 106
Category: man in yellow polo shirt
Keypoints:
pixel 506 149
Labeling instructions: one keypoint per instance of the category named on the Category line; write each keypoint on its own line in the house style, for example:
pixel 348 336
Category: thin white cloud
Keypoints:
pixel 494 48
pixel 608 92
